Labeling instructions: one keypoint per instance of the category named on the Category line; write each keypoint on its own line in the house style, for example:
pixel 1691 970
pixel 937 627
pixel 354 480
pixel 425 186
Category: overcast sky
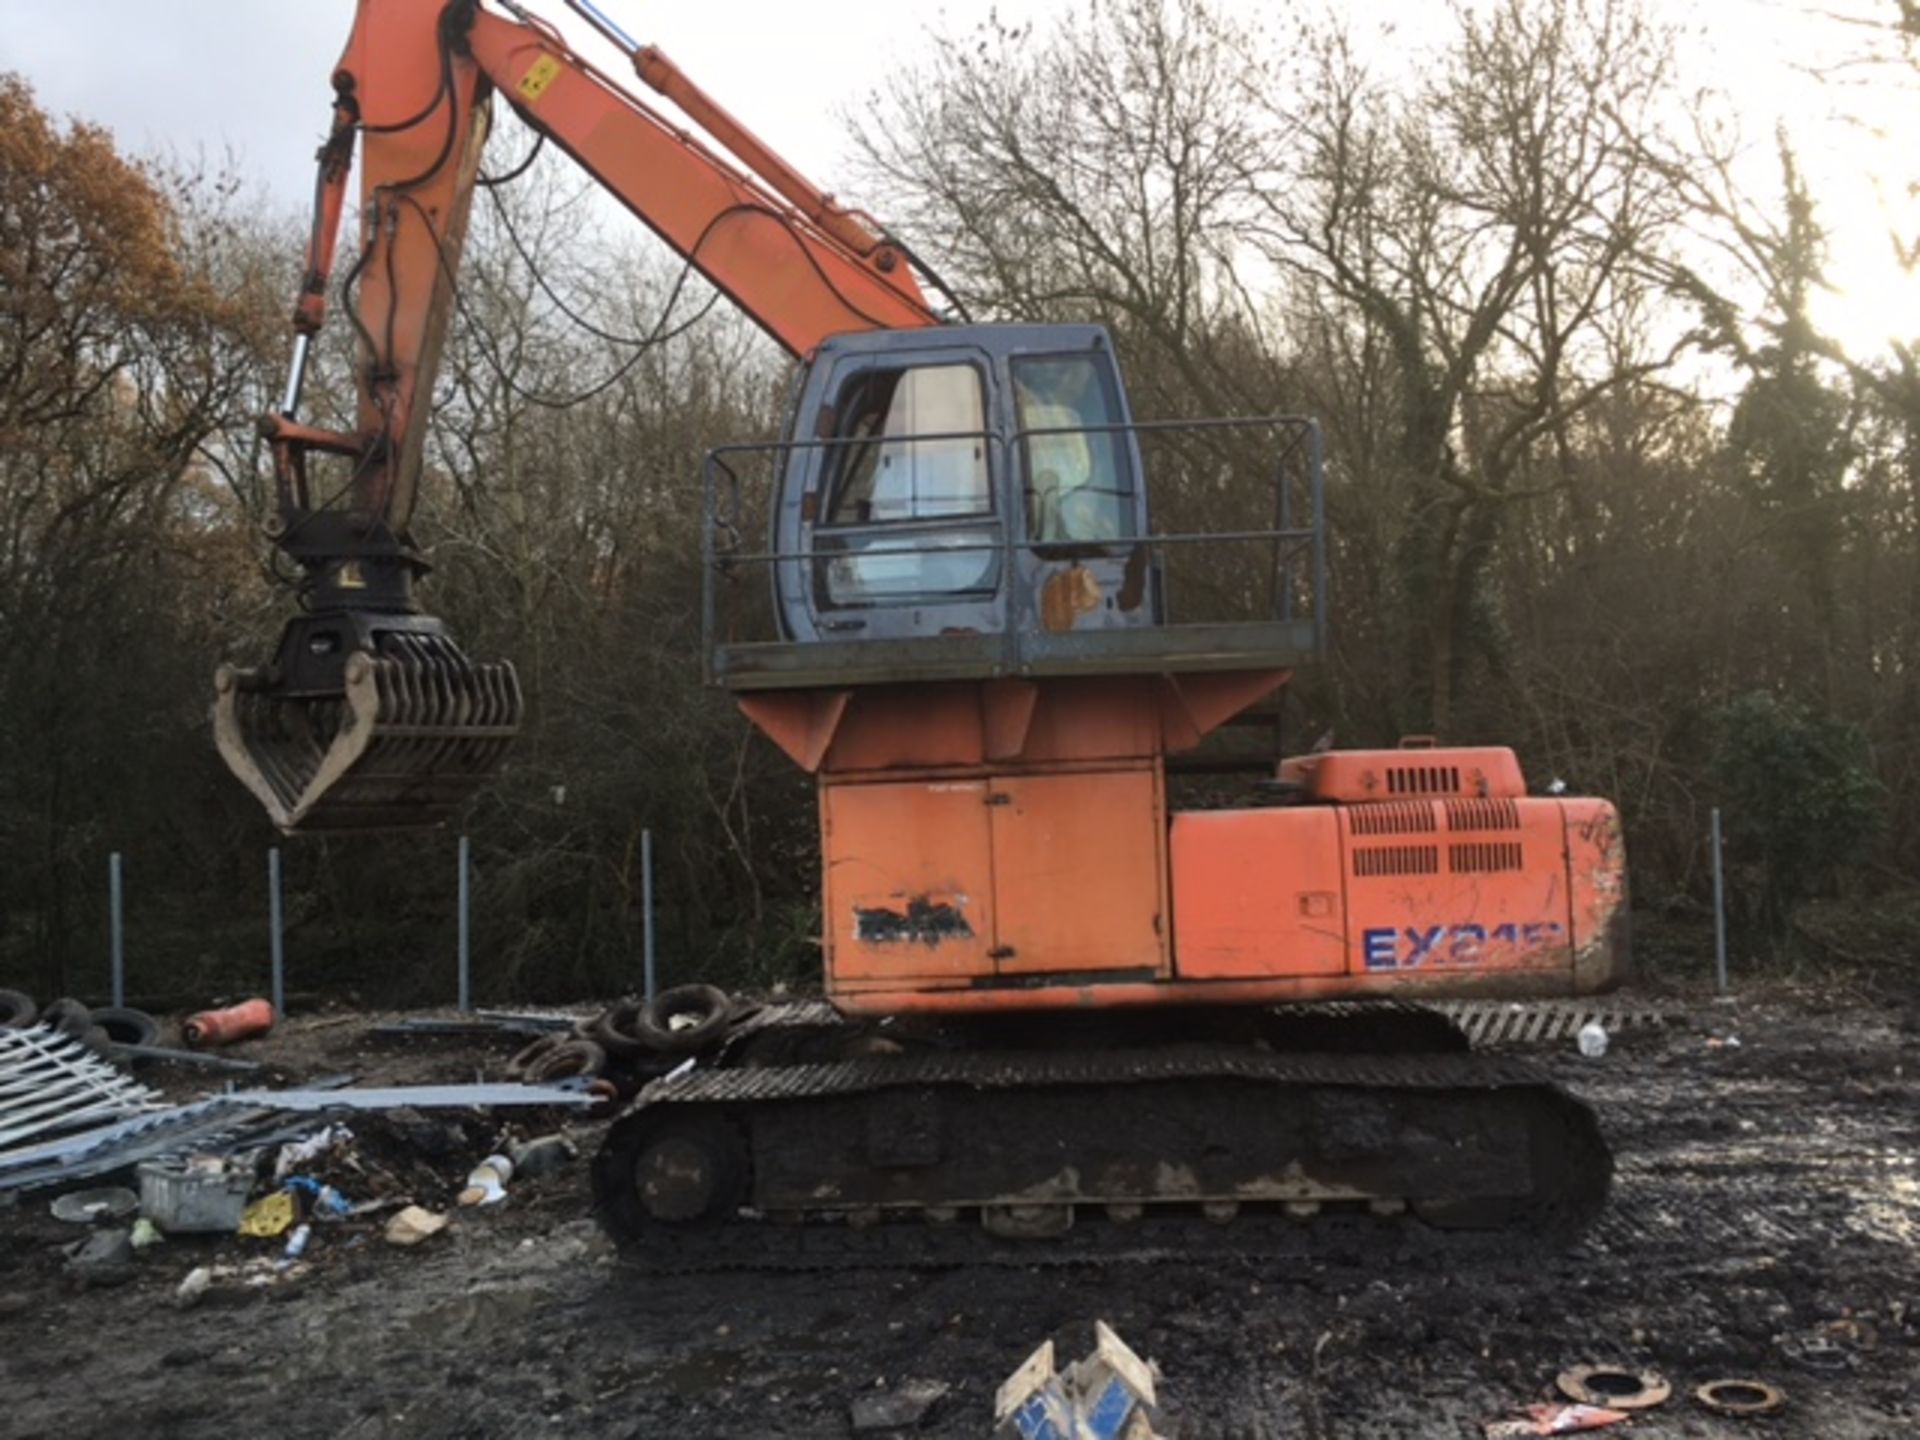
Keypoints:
pixel 248 78
pixel 251 76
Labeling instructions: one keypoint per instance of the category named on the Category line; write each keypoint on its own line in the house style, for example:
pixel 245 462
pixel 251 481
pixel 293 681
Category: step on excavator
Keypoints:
pixel 1062 1008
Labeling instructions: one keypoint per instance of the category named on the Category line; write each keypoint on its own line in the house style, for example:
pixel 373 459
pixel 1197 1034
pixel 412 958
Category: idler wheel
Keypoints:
pixel 689 1169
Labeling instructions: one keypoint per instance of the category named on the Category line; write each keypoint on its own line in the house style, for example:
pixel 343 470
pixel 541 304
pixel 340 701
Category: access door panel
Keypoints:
pixel 1079 873
pixel 1258 894
pixel 909 880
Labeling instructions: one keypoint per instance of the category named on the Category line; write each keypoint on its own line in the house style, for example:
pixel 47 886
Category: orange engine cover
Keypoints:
pixel 1462 896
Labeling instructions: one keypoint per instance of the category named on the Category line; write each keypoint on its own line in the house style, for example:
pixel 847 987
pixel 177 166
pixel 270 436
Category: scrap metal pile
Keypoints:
pixel 67 1113
pixel 245 1165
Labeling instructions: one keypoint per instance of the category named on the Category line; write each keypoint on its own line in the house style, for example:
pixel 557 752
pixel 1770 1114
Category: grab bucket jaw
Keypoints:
pixel 365 723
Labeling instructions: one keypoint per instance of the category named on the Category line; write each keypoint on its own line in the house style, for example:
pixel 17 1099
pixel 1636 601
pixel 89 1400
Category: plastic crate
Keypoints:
pixel 182 1197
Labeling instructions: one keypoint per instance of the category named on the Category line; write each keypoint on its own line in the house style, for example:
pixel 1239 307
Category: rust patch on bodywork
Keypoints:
pixel 1066 595
pixel 923 920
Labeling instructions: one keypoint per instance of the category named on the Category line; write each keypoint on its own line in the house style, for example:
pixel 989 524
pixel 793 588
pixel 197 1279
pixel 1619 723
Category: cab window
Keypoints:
pixel 1078 483
pixel 880 475
pixel 886 475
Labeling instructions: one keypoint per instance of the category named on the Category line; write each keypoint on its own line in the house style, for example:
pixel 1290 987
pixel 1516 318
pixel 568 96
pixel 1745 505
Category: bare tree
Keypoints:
pixel 125 342
pixel 1468 239
pixel 1096 170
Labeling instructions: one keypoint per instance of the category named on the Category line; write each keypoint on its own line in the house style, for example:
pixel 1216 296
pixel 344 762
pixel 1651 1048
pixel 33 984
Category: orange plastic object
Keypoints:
pixel 222 1027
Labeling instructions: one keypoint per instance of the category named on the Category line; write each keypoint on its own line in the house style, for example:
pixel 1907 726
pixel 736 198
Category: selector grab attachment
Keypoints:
pixel 399 741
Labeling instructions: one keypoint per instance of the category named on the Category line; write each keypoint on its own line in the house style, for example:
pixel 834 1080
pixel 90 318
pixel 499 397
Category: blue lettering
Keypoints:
pixel 1378 948
pixel 1462 944
pixel 1467 940
pixel 1420 946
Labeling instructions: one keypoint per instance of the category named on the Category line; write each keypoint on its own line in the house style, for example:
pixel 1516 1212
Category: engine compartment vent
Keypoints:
pixel 1482 815
pixel 1423 779
pixel 1379 860
pixel 1404 817
pixel 1485 857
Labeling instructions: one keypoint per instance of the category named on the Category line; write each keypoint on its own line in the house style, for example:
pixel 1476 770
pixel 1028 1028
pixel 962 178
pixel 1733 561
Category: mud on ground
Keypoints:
pixel 1765 1223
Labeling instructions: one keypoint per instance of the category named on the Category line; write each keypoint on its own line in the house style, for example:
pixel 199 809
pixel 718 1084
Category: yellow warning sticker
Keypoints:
pixel 539 76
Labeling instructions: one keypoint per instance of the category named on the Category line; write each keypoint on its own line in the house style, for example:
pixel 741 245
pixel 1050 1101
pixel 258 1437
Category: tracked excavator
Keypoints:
pixel 1058 1007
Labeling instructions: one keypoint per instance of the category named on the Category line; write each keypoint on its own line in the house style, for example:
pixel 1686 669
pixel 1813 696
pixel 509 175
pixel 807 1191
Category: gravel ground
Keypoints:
pixel 1764 1223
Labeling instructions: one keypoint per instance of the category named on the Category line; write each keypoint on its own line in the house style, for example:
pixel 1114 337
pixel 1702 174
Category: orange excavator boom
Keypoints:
pixel 413 87
pixel 369 716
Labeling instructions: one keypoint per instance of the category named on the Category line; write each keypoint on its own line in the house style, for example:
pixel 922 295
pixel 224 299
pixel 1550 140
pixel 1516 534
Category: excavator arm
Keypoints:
pixel 370 716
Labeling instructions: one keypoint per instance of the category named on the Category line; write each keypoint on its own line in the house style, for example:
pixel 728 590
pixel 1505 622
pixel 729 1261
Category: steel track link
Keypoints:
pixel 1337 1240
pixel 989 1070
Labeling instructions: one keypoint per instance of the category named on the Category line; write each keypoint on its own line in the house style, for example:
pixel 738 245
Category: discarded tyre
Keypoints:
pixel 684 1020
pixel 556 1057
pixel 531 1054
pixel 127 1026
pixel 566 1060
pixel 69 1015
pixel 616 1030
pixel 17 1010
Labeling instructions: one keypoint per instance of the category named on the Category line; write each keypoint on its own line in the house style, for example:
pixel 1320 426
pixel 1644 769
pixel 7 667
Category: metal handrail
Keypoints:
pixel 1288 539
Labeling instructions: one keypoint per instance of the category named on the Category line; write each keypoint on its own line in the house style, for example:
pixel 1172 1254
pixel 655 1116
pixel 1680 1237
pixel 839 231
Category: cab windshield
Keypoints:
pixel 1078 485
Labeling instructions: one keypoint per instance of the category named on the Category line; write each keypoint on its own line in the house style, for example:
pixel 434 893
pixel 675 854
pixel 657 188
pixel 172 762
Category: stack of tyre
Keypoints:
pixel 100 1026
pixel 629 1043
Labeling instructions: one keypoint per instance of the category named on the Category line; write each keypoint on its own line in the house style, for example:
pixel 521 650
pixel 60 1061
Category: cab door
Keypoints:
pixel 902 519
